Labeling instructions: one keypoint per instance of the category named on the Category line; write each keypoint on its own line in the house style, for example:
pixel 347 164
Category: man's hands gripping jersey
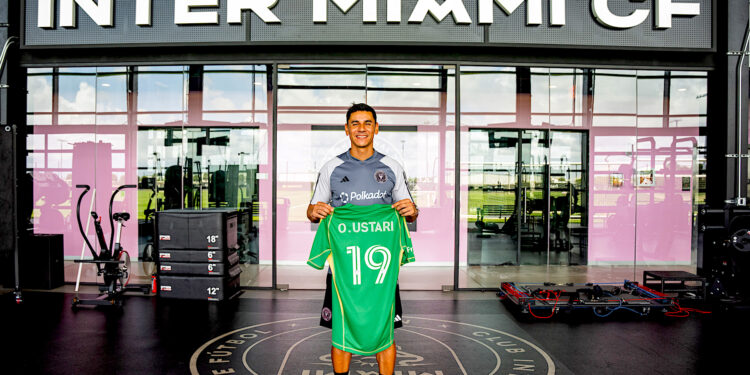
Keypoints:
pixel 407 209
pixel 318 211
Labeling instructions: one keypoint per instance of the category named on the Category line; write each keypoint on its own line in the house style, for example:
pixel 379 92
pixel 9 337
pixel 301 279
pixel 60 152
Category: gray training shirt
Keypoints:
pixel 346 179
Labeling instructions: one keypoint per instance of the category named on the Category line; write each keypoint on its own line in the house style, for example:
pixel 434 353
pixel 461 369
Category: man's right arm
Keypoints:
pixel 321 194
pixel 318 211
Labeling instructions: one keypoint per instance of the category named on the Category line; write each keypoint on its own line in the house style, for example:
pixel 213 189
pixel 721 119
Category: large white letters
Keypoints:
pixel 601 11
pixel 183 15
pixel 533 10
pixel 666 8
pixel 262 8
pixel 45 15
pixel 143 12
pixel 102 13
pixel 438 12
pixel 369 9
pixel 557 12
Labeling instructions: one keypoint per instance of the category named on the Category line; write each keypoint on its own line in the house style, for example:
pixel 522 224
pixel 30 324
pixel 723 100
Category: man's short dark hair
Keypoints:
pixel 361 107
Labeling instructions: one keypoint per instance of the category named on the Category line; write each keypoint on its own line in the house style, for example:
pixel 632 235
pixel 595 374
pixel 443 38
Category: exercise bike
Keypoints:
pixel 109 262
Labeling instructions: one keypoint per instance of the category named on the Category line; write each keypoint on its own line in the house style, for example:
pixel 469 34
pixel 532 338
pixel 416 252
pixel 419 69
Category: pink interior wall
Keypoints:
pixel 643 224
pixel 78 159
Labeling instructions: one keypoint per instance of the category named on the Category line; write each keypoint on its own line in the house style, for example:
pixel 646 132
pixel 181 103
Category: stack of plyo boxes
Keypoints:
pixel 197 254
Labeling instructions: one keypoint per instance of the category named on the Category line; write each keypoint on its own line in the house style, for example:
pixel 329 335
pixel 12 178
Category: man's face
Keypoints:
pixel 361 128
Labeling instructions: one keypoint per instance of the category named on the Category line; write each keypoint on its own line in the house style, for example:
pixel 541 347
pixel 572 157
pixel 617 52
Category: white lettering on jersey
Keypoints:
pixel 370 226
pixel 385 261
pixel 354 196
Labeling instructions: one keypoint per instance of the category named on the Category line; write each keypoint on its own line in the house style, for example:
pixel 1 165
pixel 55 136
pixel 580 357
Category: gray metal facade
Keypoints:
pixel 297 27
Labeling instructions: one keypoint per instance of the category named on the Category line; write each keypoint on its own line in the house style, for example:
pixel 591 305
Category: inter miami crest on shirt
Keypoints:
pixel 380 176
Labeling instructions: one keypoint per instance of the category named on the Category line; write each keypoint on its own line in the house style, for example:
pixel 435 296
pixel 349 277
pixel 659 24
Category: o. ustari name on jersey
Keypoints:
pixel 367 226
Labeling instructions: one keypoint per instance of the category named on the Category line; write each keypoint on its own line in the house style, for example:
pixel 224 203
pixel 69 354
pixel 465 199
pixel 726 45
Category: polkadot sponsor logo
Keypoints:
pixel 424 347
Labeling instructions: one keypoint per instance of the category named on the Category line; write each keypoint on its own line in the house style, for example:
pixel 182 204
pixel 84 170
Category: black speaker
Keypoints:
pixel 41 261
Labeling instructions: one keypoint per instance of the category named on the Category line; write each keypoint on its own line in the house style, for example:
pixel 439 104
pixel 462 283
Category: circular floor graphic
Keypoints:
pixel 425 347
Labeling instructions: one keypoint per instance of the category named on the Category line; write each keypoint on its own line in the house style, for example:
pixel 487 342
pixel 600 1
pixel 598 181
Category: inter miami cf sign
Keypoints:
pixel 187 11
pixel 425 346
pixel 683 24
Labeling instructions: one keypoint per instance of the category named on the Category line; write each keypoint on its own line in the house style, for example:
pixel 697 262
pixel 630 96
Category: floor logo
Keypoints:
pixel 425 347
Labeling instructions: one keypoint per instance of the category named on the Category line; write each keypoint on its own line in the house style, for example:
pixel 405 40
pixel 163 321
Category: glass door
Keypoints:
pixel 533 197
pixel 568 198
pixel 527 197
pixel 493 197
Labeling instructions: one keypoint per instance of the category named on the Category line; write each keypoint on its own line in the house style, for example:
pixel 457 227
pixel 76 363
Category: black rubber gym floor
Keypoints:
pixel 274 333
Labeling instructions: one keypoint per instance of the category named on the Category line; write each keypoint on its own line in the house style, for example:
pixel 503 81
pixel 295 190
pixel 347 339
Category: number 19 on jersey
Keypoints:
pixel 380 265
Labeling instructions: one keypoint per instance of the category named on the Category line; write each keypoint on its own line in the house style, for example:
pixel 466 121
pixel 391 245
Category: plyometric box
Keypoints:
pixel 199 287
pixel 199 256
pixel 196 230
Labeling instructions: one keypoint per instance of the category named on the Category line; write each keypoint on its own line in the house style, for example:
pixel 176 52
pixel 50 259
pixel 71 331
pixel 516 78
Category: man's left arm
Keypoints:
pixel 407 209
pixel 404 202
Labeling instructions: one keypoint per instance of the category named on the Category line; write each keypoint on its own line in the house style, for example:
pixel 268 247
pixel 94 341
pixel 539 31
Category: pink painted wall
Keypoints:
pixel 75 158
pixel 636 222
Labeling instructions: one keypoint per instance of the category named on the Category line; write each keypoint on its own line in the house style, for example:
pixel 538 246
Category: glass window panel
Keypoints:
pixel 66 141
pixel 35 142
pixel 161 95
pixel 227 90
pixel 112 96
pixel 566 96
pixel 59 160
pixel 488 89
pixel 688 100
pixel 403 77
pixel 77 93
pixel 235 94
pixel 35 160
pixel 322 75
pixel 614 98
pixel 650 93
pixel 39 97
pixel 540 96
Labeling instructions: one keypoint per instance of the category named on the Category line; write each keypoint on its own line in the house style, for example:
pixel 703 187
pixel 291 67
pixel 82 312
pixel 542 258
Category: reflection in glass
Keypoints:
pixel 112 96
pixel 488 95
pixel 687 99
pixel 569 196
pixel 615 103
pixel 77 96
pixel 493 197
pixel 39 98
pixel 217 169
pixel 315 94
pixel 526 196
pixel 235 94
pixel 161 98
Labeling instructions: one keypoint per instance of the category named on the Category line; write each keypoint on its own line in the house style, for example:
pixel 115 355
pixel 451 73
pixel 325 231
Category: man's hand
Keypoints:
pixel 407 209
pixel 318 211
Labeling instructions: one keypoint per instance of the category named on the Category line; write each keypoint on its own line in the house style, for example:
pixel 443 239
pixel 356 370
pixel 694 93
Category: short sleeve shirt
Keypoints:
pixel 348 180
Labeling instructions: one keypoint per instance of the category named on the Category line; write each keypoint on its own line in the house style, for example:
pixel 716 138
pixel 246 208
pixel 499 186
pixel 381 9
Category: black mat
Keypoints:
pixel 267 336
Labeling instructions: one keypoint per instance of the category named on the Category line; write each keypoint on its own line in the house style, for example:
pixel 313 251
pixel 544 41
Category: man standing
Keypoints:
pixel 361 176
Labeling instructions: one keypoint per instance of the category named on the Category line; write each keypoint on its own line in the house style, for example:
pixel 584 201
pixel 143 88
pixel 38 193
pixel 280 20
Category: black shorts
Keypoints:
pixel 326 313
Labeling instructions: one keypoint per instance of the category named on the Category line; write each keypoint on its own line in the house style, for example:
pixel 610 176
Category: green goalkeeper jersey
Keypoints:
pixel 365 247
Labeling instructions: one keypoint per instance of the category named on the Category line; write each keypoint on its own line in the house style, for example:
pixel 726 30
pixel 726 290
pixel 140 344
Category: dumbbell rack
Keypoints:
pixel 197 254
